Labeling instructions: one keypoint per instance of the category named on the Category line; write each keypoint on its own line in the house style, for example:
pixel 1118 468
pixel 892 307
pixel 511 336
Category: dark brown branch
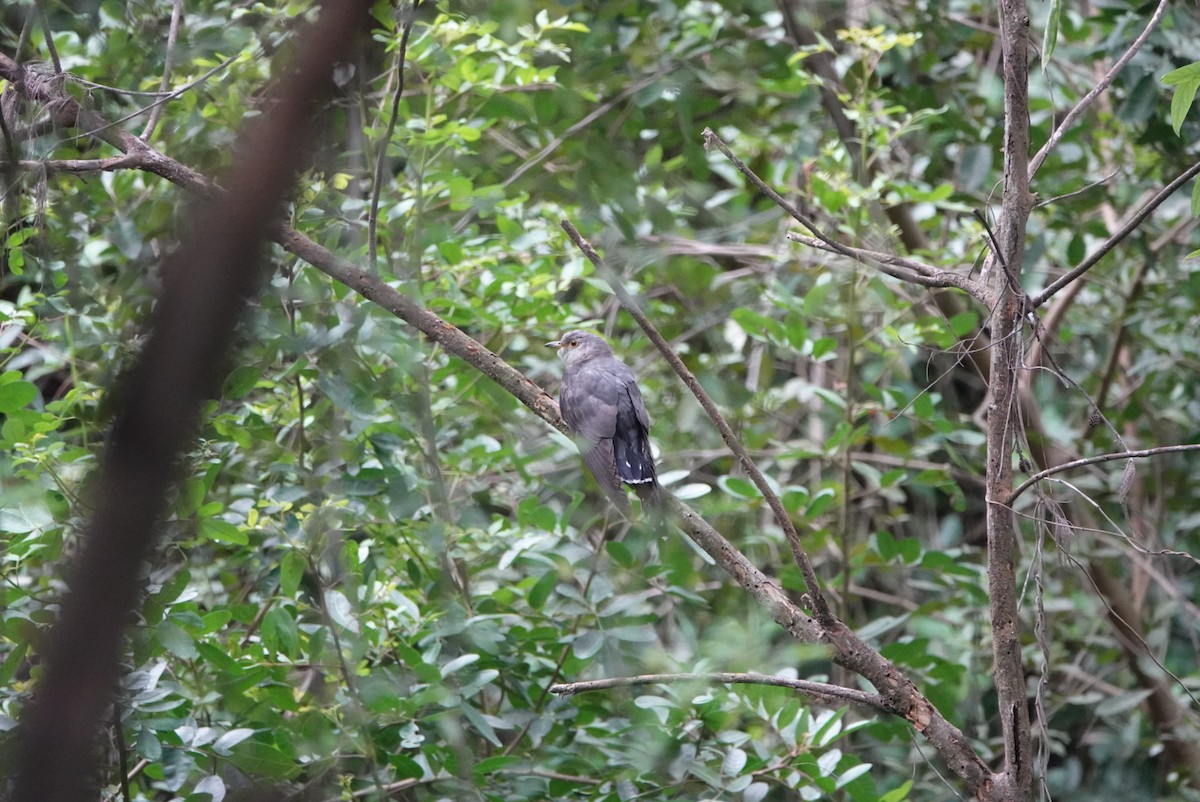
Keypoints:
pixel 1079 463
pixel 820 691
pixel 206 284
pixel 1130 226
pixel 1015 782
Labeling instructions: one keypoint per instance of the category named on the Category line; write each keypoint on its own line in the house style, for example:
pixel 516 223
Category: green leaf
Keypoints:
pixel 460 662
pixel 898 794
pixel 492 764
pixel 15 395
pixel 1186 81
pixel 543 588
pixel 265 760
pixel 734 762
pixel 291 571
pixel 738 487
pixel 224 744
pixel 821 502
pixel 176 640
pixel 964 323
pixel 223 532
pixel 240 382
pixel 1050 35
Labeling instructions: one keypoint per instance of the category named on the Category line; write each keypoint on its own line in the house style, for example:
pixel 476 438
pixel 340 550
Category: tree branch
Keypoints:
pixel 1079 463
pixel 409 15
pixel 1130 226
pixel 898 267
pixel 1102 85
pixel 820 691
pixel 1015 782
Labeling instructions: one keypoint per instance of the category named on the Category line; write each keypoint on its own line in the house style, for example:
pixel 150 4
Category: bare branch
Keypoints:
pixel 1073 115
pixel 168 59
pixel 1015 782
pixel 899 267
pixel 410 12
pixel 821 691
pixel 1079 463
pixel 1130 226
pixel 711 140
pixel 905 269
pixel 77 166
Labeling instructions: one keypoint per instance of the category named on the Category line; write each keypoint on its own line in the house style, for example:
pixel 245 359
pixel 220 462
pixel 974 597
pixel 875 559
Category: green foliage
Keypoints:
pixel 379 562
pixel 1186 81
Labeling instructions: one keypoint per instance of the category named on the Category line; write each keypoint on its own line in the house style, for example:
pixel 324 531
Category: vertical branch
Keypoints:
pixel 1016 780
pixel 408 15
pixel 168 62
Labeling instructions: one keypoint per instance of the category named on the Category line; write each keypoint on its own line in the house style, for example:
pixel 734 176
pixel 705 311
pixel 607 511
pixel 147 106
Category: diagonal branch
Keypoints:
pixel 911 270
pixel 1079 463
pixel 1130 226
pixel 899 267
pixel 1101 86
pixel 819 691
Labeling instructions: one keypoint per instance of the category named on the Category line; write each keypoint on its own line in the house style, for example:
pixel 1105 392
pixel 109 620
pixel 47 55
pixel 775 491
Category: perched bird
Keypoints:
pixel 600 401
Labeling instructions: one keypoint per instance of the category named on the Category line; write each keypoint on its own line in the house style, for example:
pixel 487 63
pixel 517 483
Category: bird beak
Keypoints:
pixel 554 344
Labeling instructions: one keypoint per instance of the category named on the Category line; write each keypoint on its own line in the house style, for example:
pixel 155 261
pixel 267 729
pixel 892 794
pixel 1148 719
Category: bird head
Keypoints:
pixel 577 347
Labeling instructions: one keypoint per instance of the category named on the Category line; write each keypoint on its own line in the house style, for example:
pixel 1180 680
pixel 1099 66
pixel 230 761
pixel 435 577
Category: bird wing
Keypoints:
pixel 631 441
pixel 589 404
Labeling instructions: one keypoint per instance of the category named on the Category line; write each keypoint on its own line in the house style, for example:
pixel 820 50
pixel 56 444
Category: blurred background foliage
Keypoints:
pixel 380 561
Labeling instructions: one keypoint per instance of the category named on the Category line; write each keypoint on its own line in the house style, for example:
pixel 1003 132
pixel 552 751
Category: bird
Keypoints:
pixel 601 403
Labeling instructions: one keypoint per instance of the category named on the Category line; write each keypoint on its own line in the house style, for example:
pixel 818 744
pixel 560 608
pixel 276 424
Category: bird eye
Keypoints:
pixel 574 343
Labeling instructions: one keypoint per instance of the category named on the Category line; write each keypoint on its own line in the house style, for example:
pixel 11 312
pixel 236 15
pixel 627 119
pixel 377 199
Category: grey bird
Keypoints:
pixel 600 401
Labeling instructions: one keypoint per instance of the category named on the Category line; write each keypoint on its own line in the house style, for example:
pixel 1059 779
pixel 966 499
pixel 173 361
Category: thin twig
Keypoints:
pixel 1079 463
pixel 1087 188
pixel 50 48
pixel 898 267
pixel 922 274
pixel 164 99
pixel 381 156
pixel 819 605
pixel 1112 242
pixel 817 690
pixel 1061 129
pixel 168 58
pixel 73 165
